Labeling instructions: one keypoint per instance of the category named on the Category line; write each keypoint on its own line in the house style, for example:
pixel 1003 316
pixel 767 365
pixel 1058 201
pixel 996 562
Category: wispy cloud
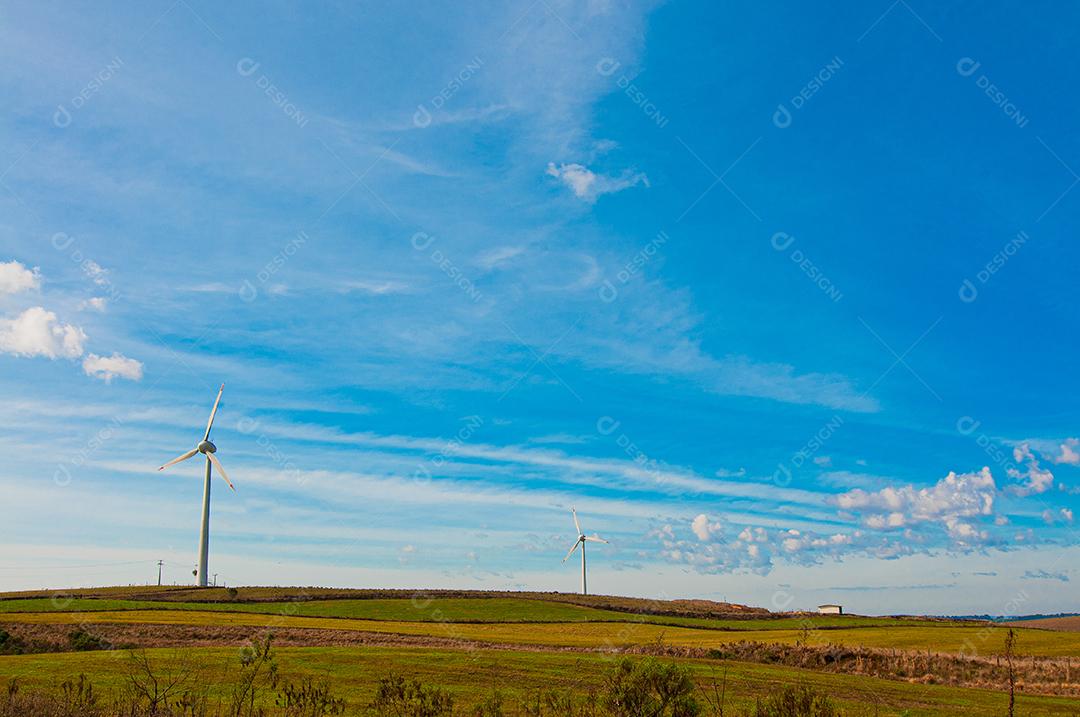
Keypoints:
pixel 588 185
pixel 1044 575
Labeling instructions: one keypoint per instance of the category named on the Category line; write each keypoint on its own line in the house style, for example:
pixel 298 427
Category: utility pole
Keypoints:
pixel 159 572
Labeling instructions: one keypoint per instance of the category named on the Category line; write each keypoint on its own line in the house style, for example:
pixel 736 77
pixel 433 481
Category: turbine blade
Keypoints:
pixel 184 457
pixel 576 523
pixel 213 412
pixel 596 539
pixel 576 543
pixel 220 469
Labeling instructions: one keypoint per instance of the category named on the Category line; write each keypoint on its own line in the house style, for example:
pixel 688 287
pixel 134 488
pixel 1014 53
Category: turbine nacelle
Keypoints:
pixel 206 447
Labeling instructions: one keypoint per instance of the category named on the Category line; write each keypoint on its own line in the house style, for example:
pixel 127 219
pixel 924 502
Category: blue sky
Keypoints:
pixel 782 301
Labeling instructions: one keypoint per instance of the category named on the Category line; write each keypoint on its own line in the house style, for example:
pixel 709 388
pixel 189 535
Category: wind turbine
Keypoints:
pixel 581 540
pixel 208 449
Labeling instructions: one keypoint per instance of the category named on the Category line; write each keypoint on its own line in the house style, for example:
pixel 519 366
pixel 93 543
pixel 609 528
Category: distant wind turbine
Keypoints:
pixel 581 540
pixel 208 449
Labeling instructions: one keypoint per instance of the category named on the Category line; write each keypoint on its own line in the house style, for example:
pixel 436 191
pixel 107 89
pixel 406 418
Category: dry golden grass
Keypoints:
pixel 982 640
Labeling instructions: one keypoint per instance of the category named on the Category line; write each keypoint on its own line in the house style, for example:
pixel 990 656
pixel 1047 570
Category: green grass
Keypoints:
pixel 452 610
pixel 938 638
pixel 471 675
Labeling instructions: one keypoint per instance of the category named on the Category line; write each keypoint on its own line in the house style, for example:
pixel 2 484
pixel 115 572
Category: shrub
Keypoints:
pixel 77 697
pixel 82 641
pixel 151 686
pixel 649 688
pixel 795 702
pixel 257 670
pixel 398 697
pixel 10 644
pixel 492 706
pixel 555 703
pixel 309 699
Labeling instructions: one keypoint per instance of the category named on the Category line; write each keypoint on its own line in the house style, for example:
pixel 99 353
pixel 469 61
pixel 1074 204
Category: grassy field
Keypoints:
pixel 472 675
pixel 543 639
pixel 502 610
pixel 929 636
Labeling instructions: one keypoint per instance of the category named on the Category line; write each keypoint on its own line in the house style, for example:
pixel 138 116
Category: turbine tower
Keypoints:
pixel 208 449
pixel 581 540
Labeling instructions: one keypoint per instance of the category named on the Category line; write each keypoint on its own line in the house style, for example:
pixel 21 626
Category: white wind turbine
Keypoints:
pixel 208 449
pixel 581 540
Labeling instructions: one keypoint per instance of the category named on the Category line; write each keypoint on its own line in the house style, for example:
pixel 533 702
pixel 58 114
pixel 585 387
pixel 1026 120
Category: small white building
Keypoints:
pixel 830 609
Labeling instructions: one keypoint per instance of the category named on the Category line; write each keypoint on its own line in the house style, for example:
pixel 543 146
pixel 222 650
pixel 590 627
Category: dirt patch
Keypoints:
pixel 1068 623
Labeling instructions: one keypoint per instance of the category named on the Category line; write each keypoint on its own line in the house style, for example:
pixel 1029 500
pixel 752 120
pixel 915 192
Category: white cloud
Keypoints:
pixel 414 165
pixel 496 256
pixel 754 548
pixel 1069 454
pixel 1034 479
pixel 1062 516
pixel 964 533
pixel 564 438
pixel 109 367
pixel 95 271
pixel 950 499
pixel 14 278
pixel 373 286
pixel 588 185
pixel 703 529
pixel 37 332
pixel 96 303
pixel 892 520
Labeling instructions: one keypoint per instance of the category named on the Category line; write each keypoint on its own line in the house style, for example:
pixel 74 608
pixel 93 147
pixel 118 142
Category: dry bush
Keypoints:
pixel 308 699
pixel 1052 676
pixel 795 702
pixel 556 703
pixel 398 697
pixel 257 671
pixel 76 699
